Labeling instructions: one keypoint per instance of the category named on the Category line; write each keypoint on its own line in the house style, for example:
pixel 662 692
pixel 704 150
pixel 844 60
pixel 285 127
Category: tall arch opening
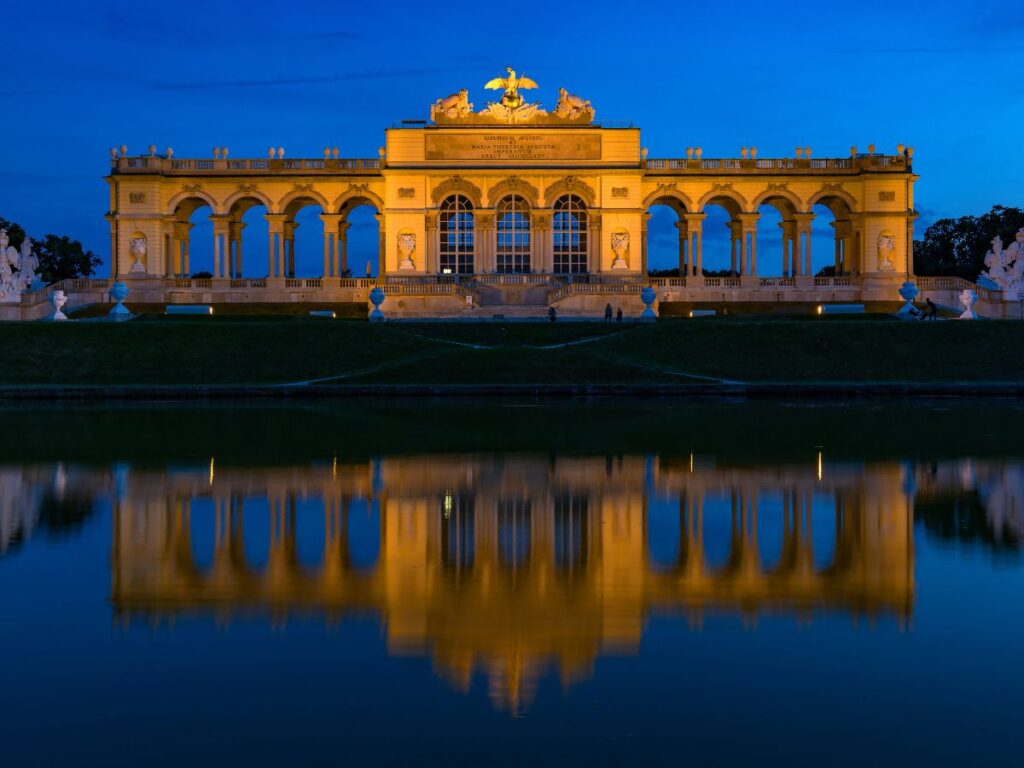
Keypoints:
pixel 722 236
pixel 836 248
pixel 357 245
pixel 248 230
pixel 303 254
pixel 667 252
pixel 777 230
pixel 191 242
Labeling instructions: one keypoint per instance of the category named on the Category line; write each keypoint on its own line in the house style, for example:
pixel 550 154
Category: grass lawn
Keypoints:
pixel 251 351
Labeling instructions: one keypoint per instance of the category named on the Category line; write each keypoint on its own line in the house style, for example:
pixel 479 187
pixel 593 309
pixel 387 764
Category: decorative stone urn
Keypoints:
pixel 406 248
pixel 119 292
pixel 648 296
pixel 59 301
pixel 968 298
pixel 909 292
pixel 377 298
pixel 620 247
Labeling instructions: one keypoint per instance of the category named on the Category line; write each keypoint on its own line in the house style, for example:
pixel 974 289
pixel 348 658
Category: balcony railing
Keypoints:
pixel 171 166
pixel 830 165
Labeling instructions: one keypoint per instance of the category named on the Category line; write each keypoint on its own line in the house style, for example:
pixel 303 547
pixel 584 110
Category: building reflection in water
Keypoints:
pixel 513 565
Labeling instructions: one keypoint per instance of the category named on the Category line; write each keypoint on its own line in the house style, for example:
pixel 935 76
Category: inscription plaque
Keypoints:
pixel 513 146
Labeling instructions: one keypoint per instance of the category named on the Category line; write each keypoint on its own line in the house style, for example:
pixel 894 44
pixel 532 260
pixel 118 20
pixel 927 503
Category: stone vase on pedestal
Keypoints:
pixel 119 292
pixel 648 296
pixel 908 292
pixel 377 297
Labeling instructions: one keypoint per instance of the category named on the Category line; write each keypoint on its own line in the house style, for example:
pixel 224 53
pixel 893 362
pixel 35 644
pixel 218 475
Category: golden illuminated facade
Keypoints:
pixel 512 565
pixel 515 209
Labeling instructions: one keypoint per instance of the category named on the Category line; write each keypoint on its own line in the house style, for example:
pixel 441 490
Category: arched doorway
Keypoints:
pixel 570 241
pixel 456 227
pixel 513 235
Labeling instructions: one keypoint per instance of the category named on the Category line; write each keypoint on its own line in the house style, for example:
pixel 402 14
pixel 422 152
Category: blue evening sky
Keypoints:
pixel 80 77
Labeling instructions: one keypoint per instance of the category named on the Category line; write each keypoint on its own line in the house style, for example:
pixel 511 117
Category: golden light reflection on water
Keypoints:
pixel 516 565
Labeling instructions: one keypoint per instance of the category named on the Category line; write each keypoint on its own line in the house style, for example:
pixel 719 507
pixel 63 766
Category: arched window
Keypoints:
pixel 513 235
pixel 456 248
pixel 569 228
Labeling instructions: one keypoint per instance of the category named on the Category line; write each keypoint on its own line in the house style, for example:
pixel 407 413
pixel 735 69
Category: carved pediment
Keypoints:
pixel 513 185
pixel 457 185
pixel 570 185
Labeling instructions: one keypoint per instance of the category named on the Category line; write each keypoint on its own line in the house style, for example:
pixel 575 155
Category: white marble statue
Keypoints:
pixel 28 263
pixel 59 301
pixel 9 278
pixel 17 270
pixel 968 298
pixel 452 107
pixel 572 107
pixel 1004 268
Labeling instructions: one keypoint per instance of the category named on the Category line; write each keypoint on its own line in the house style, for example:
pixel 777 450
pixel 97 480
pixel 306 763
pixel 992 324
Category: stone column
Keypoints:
pixel 382 243
pixel 596 246
pixel 735 241
pixel 684 266
pixel 187 269
pixel 181 233
pixel 236 239
pixel 484 245
pixel 288 251
pixel 341 249
pixel 115 260
pixel 275 250
pixel 695 229
pixel 430 265
pixel 332 224
pixel 803 235
pixel 748 223
pixel 221 234
pixel 540 242
pixel 788 228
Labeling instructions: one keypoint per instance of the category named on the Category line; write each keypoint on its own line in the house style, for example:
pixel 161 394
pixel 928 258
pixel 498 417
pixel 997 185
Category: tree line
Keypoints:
pixel 60 257
pixel 957 247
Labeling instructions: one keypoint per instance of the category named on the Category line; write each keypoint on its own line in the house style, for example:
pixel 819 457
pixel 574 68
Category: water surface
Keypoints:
pixel 470 583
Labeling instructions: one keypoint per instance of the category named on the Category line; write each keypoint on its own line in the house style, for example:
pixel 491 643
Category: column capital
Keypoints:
pixel 749 221
pixel 695 220
pixel 276 222
pixel 803 220
pixel 331 218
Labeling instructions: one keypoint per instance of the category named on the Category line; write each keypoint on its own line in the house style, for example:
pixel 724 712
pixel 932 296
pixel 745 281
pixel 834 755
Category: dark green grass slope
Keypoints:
pixel 216 352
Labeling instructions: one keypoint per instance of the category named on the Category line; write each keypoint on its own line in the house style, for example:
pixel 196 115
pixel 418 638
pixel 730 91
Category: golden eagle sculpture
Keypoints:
pixel 511 85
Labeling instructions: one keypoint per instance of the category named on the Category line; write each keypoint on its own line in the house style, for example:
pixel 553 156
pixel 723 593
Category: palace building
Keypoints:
pixel 512 209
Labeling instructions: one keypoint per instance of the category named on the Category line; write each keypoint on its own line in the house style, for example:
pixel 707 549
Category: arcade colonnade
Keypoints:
pixel 456 216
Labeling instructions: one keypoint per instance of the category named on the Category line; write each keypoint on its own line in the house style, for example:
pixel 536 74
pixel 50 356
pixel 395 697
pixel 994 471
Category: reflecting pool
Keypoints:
pixel 471 583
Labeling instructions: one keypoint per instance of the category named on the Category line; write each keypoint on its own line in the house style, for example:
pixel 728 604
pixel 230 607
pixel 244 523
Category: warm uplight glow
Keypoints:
pixel 211 470
pixel 819 465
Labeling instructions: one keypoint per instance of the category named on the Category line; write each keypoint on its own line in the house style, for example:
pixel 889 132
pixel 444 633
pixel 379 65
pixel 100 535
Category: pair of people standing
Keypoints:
pixel 608 314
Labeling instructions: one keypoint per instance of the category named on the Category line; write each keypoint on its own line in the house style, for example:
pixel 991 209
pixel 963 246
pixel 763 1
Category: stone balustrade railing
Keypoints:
pixel 825 165
pixel 190 166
